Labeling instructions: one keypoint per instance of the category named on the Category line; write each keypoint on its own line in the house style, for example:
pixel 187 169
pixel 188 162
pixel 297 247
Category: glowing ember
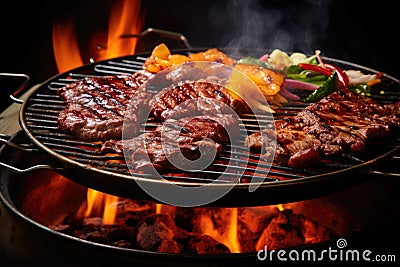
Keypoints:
pixel 164 228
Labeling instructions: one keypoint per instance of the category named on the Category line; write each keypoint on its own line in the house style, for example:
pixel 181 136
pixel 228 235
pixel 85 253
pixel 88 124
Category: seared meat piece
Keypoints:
pixel 283 141
pixel 206 98
pixel 340 122
pixel 191 136
pixel 353 105
pixel 348 121
pixel 96 106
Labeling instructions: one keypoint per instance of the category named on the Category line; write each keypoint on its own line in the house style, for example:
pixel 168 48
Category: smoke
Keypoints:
pixel 296 26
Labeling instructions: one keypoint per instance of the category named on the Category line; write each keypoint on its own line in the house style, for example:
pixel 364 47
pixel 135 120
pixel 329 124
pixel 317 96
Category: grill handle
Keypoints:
pixel 16 169
pixel 386 174
pixel 27 170
pixel 18 92
pixel 161 33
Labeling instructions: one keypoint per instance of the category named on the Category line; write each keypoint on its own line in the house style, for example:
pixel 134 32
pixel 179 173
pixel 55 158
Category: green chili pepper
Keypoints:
pixel 293 69
pixel 313 60
pixel 362 88
pixel 328 87
pixel 306 78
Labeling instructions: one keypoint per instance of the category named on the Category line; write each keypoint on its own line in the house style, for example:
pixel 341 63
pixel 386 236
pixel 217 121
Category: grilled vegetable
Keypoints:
pixel 342 76
pixel 212 55
pixel 325 89
pixel 161 58
pixel 281 60
pixel 296 84
pixel 361 88
pixel 327 69
pixel 316 68
pixel 304 77
pixel 269 81
pixel 357 77
pixel 254 61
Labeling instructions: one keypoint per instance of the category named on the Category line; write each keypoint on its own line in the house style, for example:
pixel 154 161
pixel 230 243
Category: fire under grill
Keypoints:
pixel 53 204
pixel 40 112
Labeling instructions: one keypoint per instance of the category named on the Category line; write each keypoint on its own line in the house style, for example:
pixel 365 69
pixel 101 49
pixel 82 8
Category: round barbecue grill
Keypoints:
pixel 82 162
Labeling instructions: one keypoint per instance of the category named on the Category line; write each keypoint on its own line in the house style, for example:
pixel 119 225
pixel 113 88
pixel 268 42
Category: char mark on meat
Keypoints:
pixel 192 98
pixel 96 106
pixel 191 136
pixel 283 144
pixel 340 122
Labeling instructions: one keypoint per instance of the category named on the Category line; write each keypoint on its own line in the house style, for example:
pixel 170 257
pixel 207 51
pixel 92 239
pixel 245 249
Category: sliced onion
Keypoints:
pixel 264 58
pixel 295 84
pixel 288 95
pixel 356 76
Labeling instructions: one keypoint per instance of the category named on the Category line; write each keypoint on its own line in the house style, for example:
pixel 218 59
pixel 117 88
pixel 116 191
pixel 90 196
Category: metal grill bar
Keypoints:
pixel 236 162
pixel 79 150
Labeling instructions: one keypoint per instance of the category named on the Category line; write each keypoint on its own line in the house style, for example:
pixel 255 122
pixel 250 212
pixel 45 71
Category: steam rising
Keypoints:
pixel 296 26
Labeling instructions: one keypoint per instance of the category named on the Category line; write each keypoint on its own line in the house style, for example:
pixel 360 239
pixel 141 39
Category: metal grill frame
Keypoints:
pixel 300 185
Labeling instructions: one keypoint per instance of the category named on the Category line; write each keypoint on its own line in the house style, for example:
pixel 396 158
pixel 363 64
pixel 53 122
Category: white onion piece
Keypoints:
pixel 356 76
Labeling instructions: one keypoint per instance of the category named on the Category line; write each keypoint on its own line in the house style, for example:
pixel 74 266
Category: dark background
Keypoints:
pixel 357 31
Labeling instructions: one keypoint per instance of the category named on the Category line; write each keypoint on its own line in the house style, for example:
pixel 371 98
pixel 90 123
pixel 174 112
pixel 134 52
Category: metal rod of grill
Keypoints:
pixel 43 109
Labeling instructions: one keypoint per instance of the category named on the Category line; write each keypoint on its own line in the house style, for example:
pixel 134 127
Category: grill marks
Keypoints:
pixel 203 118
pixel 348 120
pixel 182 140
pixel 341 122
pixel 279 172
pixel 96 107
pixel 208 98
pixel 177 140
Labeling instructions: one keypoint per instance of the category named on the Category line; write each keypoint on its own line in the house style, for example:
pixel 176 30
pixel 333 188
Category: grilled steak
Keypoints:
pixel 340 122
pixel 193 98
pixel 283 142
pixel 96 106
pixel 191 136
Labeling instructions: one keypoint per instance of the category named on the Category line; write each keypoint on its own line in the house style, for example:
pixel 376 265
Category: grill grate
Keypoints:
pixel 42 111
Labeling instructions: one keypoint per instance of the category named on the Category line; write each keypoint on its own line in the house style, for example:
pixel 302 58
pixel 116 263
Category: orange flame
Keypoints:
pixel 65 46
pixel 280 207
pixel 158 208
pixel 125 18
pixel 229 237
pixel 100 205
